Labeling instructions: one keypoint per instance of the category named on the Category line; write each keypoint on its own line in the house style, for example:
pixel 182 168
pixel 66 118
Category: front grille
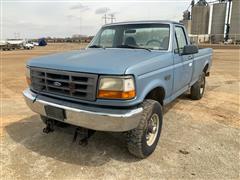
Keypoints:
pixel 63 83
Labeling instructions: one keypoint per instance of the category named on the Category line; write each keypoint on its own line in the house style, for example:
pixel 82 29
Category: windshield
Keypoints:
pixel 142 36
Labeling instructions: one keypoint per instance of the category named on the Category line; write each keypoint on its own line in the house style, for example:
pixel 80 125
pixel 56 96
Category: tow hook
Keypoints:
pixel 49 126
pixel 84 135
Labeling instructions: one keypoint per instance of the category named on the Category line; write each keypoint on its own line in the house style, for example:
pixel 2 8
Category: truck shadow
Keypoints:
pixel 183 97
pixel 102 146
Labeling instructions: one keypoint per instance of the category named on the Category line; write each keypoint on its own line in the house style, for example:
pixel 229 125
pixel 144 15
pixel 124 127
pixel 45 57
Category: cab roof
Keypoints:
pixel 144 22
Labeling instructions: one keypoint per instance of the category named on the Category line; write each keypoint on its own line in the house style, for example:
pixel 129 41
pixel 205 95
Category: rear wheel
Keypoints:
pixel 197 90
pixel 143 140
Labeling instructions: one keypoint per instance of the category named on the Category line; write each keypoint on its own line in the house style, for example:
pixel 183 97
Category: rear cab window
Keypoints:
pixel 154 37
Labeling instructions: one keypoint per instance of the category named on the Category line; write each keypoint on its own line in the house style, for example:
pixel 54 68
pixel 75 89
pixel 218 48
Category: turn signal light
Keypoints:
pixel 105 94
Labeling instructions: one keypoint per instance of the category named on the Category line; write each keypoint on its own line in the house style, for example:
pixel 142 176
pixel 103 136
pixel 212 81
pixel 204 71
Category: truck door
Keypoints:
pixel 183 63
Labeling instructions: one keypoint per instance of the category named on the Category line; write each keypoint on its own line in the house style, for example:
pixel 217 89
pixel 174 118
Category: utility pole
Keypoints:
pixel 112 17
pixel 105 15
pixel 228 20
pixel 105 18
pixel 17 35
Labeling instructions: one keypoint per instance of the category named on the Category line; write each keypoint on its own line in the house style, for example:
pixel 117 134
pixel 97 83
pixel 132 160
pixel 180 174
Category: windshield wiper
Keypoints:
pixel 95 46
pixel 133 47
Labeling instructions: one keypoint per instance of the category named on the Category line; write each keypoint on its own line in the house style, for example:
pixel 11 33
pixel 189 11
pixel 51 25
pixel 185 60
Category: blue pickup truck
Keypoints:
pixel 120 82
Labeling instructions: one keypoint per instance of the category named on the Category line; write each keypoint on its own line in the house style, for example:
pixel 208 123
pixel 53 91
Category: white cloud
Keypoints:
pixel 102 10
pixel 80 7
pixel 33 20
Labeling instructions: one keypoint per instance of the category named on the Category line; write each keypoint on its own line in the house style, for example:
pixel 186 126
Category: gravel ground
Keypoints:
pixel 200 139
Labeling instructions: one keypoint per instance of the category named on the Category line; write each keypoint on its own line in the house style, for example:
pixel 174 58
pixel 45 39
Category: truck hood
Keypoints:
pixel 98 61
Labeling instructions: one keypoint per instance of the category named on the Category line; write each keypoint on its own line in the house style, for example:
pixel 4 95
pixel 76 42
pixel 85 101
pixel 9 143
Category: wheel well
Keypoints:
pixel 156 94
pixel 205 69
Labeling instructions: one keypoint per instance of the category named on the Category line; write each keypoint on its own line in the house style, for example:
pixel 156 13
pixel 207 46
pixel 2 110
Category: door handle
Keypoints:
pixel 190 64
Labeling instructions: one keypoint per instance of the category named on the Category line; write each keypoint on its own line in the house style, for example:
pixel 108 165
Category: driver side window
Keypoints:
pixel 180 38
pixel 175 45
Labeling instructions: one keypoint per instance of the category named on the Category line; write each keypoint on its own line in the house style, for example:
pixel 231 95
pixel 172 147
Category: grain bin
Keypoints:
pixel 200 18
pixel 218 22
pixel 187 24
pixel 235 21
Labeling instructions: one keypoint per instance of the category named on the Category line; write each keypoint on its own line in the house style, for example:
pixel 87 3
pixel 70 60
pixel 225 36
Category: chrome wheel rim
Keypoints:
pixel 201 90
pixel 202 85
pixel 153 128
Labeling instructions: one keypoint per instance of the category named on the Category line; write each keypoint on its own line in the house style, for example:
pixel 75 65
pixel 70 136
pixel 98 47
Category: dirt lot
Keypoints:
pixel 200 139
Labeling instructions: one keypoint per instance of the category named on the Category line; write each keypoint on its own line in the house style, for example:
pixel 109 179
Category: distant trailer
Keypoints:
pixel 7 47
pixel 16 43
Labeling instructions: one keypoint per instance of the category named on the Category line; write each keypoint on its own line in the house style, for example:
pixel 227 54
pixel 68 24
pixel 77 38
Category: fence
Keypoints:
pixel 215 39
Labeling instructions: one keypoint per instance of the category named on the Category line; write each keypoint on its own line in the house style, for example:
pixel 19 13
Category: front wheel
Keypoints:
pixel 143 140
pixel 197 89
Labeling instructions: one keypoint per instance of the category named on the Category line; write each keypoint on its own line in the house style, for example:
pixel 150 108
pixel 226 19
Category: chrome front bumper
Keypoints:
pixel 96 118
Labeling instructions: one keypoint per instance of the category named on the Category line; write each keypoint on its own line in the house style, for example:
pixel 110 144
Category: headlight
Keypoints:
pixel 121 87
pixel 28 78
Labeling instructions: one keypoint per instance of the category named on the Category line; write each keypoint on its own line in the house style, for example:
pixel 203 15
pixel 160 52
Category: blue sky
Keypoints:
pixel 34 19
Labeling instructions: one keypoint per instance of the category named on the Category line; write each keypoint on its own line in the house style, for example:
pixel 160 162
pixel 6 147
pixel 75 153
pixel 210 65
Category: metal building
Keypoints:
pixel 200 18
pixel 187 20
pixel 235 21
pixel 218 22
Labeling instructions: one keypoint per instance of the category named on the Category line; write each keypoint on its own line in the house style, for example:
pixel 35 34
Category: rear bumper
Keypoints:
pixel 96 118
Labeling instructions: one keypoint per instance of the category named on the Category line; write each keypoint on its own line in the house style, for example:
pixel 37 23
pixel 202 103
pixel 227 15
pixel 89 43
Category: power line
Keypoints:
pixel 110 17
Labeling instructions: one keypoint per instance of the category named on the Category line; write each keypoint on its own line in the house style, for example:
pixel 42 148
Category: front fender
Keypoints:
pixel 147 86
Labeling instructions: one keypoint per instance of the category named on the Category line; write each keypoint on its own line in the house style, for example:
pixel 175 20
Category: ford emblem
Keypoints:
pixel 58 84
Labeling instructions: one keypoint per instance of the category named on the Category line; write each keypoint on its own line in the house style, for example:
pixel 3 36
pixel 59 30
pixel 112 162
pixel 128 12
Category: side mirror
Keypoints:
pixel 190 49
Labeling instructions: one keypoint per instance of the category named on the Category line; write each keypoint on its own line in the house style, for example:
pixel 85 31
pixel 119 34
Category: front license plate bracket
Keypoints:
pixel 55 112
